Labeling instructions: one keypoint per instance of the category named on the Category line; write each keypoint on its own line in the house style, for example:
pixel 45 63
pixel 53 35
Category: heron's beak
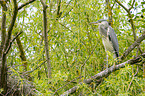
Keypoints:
pixel 95 23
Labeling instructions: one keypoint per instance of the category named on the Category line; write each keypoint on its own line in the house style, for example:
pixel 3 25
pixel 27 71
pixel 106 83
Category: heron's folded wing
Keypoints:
pixel 113 38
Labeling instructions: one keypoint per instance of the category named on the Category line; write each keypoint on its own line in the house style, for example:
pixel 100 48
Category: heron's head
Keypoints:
pixel 101 22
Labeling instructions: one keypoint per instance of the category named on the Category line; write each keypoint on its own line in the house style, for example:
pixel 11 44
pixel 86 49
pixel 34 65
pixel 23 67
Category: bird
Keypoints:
pixel 109 38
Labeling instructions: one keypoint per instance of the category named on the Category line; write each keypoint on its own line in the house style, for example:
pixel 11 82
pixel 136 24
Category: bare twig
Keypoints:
pixel 67 84
pixel 67 13
pixel 35 68
pixel 113 5
pixel 58 9
pixel 132 79
pixel 87 59
pixel 67 4
pixel 65 27
pixel 25 4
pixel 66 8
pixel 10 90
pixel 12 42
pixel 122 5
pixel 17 36
pixel 131 5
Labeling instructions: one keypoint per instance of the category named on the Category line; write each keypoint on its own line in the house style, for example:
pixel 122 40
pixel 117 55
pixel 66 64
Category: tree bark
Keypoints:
pixel 2 56
pixel 46 38
pixel 22 54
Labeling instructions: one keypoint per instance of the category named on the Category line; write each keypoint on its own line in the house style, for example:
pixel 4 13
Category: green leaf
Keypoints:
pixel 143 10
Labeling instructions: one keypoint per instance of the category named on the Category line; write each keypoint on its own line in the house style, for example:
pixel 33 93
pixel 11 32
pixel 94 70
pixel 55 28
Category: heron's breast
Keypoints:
pixel 107 44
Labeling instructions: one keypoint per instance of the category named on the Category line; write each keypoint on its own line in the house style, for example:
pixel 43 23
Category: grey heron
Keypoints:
pixel 109 37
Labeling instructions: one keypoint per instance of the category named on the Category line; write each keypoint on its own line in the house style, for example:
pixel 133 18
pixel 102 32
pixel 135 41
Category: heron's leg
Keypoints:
pixel 107 61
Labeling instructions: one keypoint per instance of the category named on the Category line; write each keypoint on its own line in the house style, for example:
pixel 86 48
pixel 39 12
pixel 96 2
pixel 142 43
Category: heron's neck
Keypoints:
pixel 103 31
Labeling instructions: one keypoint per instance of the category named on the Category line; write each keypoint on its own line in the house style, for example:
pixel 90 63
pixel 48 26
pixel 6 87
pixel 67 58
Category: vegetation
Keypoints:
pixel 48 47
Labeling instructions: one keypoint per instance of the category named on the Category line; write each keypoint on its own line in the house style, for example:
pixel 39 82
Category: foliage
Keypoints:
pixel 71 40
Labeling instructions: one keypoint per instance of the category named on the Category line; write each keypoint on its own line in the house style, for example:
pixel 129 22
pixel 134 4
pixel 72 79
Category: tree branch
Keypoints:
pixel 87 59
pixel 34 68
pixel 136 43
pixel 46 38
pixel 3 26
pixel 122 6
pixel 7 50
pixel 58 9
pixel 98 77
pixel 131 5
pixel 65 27
pixel 25 4
pixel 43 3
pixel 22 53
pixel 11 24
pixel 3 77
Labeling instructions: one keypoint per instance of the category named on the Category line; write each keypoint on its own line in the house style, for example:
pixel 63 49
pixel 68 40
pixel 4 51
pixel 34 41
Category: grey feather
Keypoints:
pixel 114 40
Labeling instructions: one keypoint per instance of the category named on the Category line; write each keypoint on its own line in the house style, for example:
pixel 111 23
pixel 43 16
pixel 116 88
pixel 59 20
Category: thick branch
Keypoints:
pixel 12 24
pixel 43 3
pixel 98 77
pixel 22 53
pixel 46 38
pixel 136 43
pixel 4 58
pixel 117 67
pixel 3 26
pixel 3 83
pixel 25 4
